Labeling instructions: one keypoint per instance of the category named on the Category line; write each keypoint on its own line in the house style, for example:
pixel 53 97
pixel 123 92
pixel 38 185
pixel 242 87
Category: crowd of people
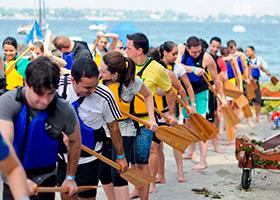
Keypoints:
pixel 53 105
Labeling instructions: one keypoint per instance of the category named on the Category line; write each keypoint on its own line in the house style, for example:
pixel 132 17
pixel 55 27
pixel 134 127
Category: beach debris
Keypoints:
pixel 207 193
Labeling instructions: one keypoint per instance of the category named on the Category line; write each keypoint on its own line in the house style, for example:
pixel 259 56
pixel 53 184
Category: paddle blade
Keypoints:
pixel 241 101
pixel 231 118
pixel 274 80
pixel 137 177
pixel 254 84
pixel 247 111
pixel 191 136
pixel 235 94
pixel 230 132
pixel 250 92
pixel 229 85
pixel 173 138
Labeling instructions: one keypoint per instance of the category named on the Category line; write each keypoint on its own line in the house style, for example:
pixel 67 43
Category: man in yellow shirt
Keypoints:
pixel 153 75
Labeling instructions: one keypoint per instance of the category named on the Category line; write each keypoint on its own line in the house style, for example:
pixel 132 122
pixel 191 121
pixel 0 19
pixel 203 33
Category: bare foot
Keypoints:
pixel 209 145
pixel 251 124
pixel 189 156
pixel 237 127
pixel 181 178
pixel 200 166
pixel 134 194
pixel 218 150
pixel 161 180
pixel 259 121
pixel 153 188
pixel 219 137
pixel 244 120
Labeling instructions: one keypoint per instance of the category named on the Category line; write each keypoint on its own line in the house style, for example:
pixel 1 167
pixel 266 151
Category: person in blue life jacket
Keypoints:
pixel 256 64
pixel 32 119
pixel 13 171
pixel 71 50
pixel 95 106
pixel 196 62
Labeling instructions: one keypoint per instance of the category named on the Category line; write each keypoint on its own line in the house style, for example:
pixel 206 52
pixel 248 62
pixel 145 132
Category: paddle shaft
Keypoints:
pixel 182 103
pixel 136 118
pixel 62 189
pixel 155 109
pixel 99 156
pixel 235 75
pixel 211 87
pixel 23 54
pixel 95 44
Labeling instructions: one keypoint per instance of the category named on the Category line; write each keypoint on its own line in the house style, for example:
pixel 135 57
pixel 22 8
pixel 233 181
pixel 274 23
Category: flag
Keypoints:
pixel 35 32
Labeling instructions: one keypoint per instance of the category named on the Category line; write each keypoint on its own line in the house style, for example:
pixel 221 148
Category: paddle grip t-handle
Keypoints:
pixel 104 159
pixel 95 44
pixel 23 54
pixel 155 109
pixel 211 87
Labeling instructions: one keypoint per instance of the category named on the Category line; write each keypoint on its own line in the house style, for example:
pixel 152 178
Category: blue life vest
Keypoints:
pixel 255 71
pixel 240 65
pixel 68 57
pixel 230 72
pixel 87 133
pixel 34 147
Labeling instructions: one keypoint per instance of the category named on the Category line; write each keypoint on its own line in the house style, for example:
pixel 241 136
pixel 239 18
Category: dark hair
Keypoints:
pixel 154 53
pixel 125 66
pixel 10 41
pixel 84 67
pixel 239 49
pixel 61 42
pixel 217 39
pixel 167 46
pixel 231 43
pixel 42 74
pixel 204 44
pixel 139 41
pixel 193 42
pixel 40 45
pixel 224 51
pixel 251 47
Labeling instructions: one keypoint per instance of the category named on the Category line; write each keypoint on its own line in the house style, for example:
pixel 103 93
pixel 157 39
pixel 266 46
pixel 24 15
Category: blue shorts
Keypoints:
pixel 201 101
pixel 142 145
pixel 4 149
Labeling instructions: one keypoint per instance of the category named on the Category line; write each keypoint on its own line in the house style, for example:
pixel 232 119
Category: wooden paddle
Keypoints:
pixel 193 136
pixel 12 66
pixel 235 94
pixel 134 176
pixel 229 115
pixel 274 80
pixel 171 136
pixel 230 132
pixel 247 111
pixel 254 84
pixel 95 45
pixel 62 189
pixel 203 127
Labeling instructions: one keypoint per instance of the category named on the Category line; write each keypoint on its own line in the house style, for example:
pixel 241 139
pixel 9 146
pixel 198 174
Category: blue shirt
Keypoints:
pixel 4 149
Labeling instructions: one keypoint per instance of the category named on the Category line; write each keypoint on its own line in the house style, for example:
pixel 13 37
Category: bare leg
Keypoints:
pixel 215 144
pixel 144 191
pixel 215 138
pixel 191 154
pixel 153 164
pixel 258 110
pixel 122 193
pixel 109 191
pixel 250 122
pixel 161 162
pixel 203 151
pixel 179 163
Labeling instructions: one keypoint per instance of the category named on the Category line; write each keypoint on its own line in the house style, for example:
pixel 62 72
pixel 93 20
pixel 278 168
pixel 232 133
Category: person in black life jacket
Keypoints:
pixel 196 64
pixel 95 105
pixel 71 50
pixel 32 119
pixel 256 64
pixel 214 47
pixel 13 171
pixel 153 75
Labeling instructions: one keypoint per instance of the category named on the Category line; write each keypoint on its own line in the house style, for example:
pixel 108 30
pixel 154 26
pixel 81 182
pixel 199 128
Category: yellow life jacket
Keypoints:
pixel 97 58
pixel 13 78
pixel 124 106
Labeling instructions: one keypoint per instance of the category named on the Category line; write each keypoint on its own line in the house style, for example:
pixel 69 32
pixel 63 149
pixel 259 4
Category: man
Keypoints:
pixel 32 119
pixel 256 63
pixel 153 75
pixel 195 65
pixel 71 50
pixel 13 171
pixel 94 104
pixel 214 47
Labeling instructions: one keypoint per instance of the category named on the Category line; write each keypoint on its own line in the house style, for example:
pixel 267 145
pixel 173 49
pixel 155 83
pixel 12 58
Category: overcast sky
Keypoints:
pixel 193 7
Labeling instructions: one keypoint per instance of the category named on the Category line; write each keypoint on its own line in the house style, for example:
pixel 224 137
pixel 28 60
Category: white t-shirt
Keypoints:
pixel 259 61
pixel 96 109
pixel 179 70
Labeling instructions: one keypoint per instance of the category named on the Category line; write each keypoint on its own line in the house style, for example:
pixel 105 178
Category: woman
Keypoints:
pixel 15 75
pixel 118 73
pixel 40 51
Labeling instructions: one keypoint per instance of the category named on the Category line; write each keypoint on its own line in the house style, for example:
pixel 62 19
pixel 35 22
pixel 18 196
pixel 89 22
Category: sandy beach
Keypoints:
pixel 222 177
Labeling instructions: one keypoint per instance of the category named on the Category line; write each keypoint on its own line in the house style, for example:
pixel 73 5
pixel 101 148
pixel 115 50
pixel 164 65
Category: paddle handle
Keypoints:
pixel 23 54
pixel 211 87
pixel 155 109
pixel 135 118
pixel 103 158
pixel 95 44
pixel 235 75
pixel 62 189
pixel 182 103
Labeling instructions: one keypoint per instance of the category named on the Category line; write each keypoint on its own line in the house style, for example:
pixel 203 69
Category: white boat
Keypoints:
pixel 239 28
pixel 25 29
pixel 98 26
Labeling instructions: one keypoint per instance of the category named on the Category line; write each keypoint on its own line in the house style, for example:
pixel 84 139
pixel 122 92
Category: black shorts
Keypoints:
pixel 105 169
pixel 87 174
pixel 258 99
pixel 212 105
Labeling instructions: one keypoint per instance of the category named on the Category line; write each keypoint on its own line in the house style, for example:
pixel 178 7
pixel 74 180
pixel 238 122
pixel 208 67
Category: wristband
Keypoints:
pixel 68 177
pixel 23 198
pixel 121 156
pixel 193 69
pixel 193 104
